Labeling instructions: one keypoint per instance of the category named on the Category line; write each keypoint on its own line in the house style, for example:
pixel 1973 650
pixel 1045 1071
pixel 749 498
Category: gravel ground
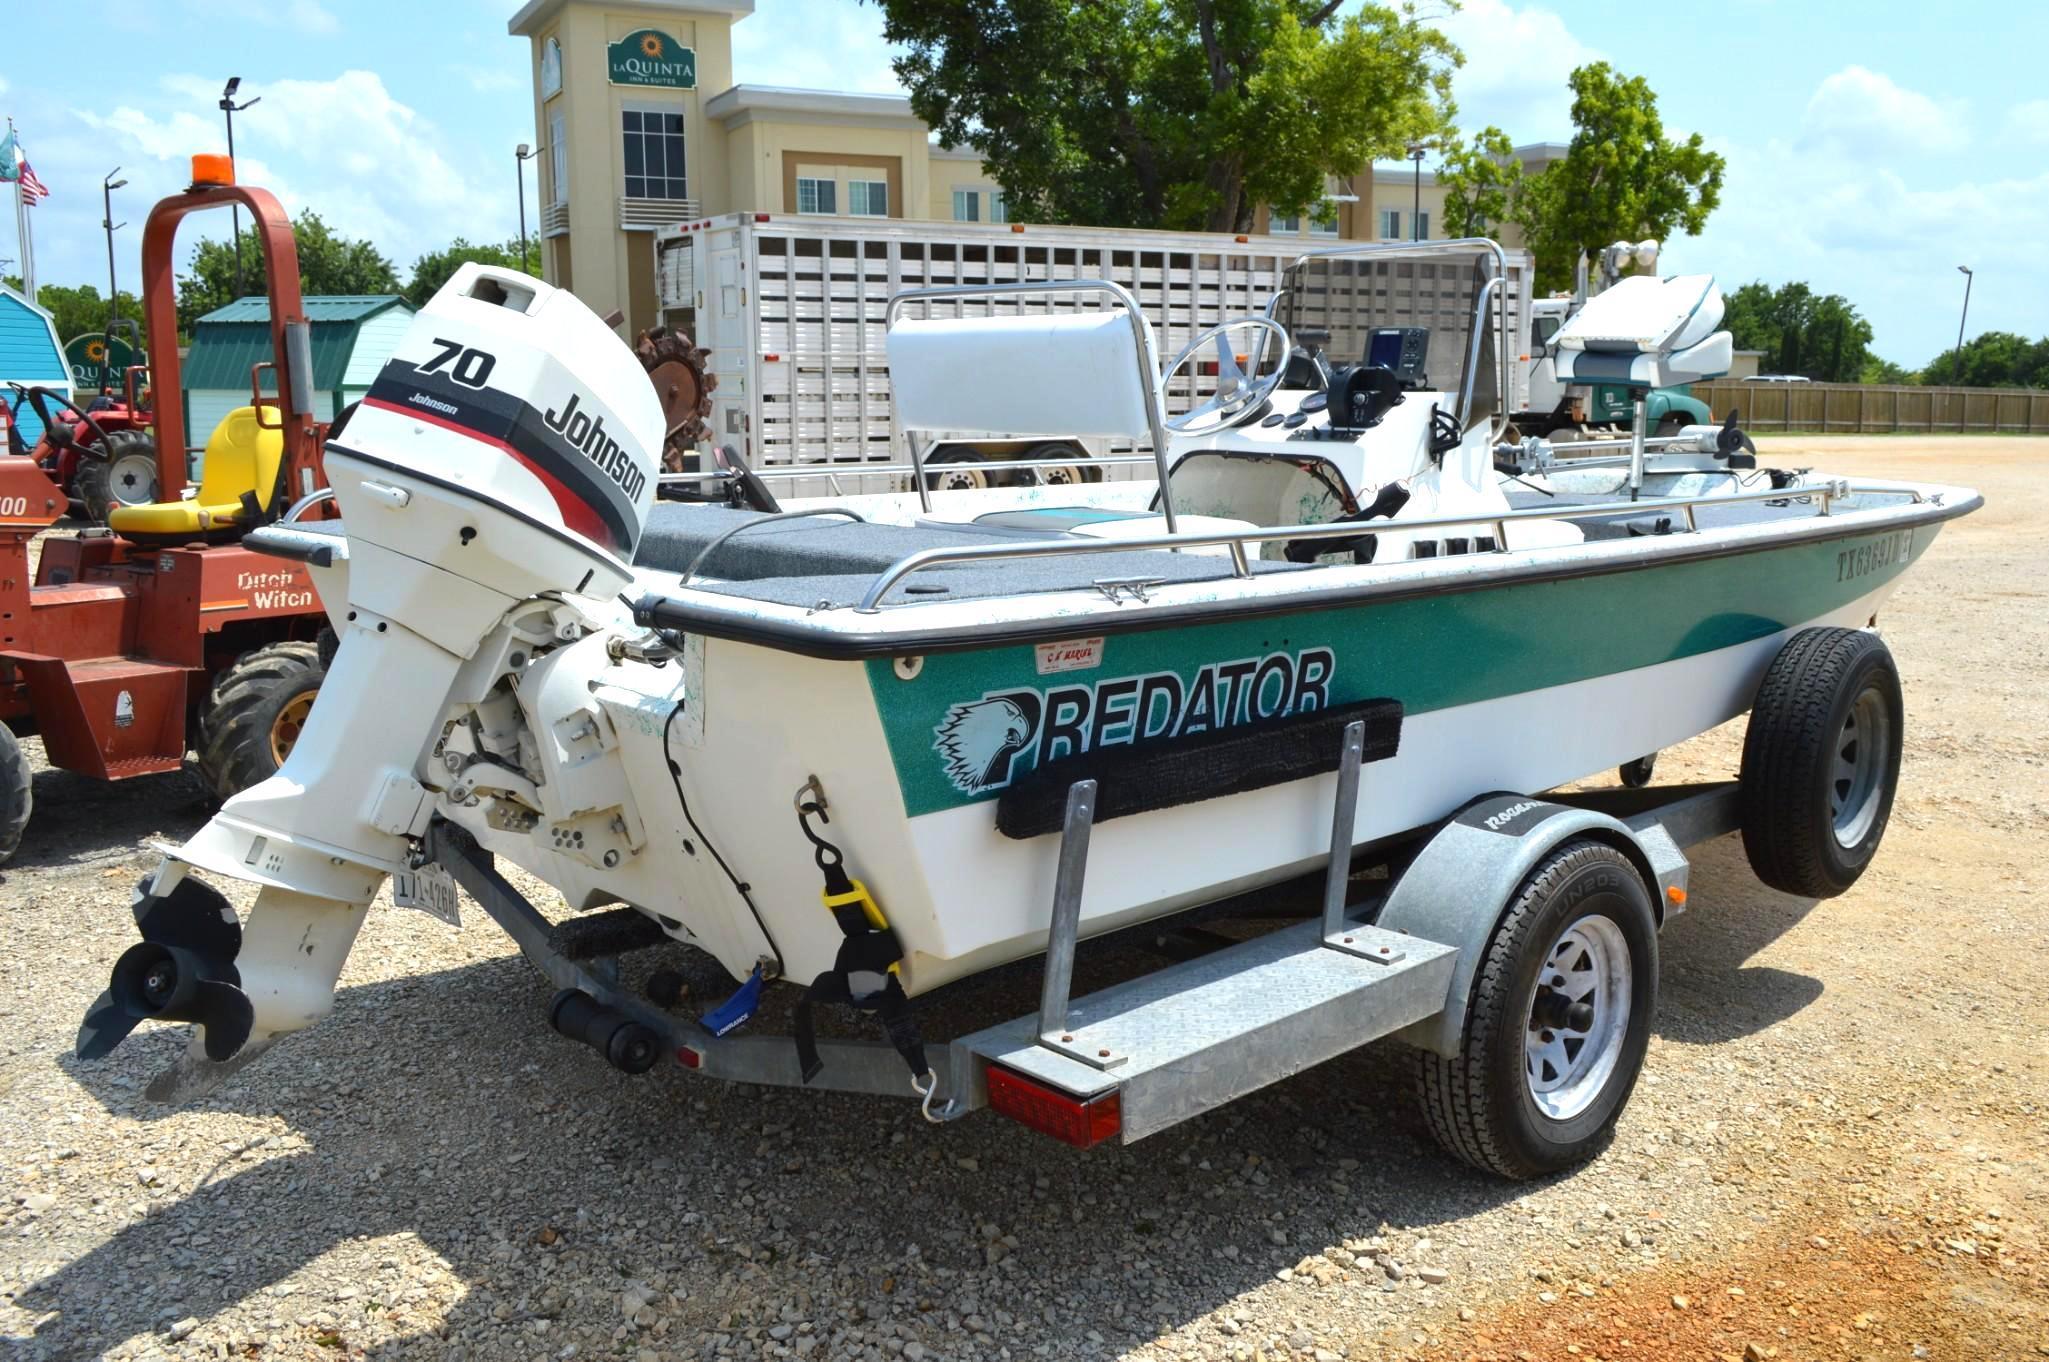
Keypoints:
pixel 1837 1150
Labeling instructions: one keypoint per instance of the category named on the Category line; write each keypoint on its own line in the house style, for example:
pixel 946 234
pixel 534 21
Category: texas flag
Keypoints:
pixel 14 166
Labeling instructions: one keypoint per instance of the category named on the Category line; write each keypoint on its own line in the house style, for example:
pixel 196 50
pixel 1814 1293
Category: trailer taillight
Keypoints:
pixel 1073 1120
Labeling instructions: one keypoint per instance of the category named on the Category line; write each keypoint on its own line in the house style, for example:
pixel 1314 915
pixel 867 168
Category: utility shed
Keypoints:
pixel 29 353
pixel 352 337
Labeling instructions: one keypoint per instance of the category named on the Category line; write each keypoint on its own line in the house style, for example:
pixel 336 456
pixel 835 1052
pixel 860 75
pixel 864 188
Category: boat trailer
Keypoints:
pixel 1140 1056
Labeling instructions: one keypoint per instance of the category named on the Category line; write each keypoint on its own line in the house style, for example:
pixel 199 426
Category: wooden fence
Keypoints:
pixel 1856 408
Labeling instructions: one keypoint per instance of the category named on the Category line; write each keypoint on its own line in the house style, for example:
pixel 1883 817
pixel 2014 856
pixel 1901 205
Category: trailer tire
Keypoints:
pixel 125 476
pixel 956 470
pixel 17 793
pixel 254 713
pixel 1821 761
pixel 1059 475
pixel 1500 1104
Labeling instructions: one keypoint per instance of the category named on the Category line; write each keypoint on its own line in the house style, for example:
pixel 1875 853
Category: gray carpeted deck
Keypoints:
pixel 828 562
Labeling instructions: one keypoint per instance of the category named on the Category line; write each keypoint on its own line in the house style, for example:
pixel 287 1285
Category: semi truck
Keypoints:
pixel 792 309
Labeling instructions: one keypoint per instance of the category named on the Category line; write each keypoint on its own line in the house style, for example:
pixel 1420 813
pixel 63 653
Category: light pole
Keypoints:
pixel 107 188
pixel 1956 369
pixel 1416 150
pixel 230 108
pixel 520 156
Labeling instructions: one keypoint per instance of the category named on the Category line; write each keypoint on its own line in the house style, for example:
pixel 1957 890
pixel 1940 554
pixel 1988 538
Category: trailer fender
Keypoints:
pixel 1458 886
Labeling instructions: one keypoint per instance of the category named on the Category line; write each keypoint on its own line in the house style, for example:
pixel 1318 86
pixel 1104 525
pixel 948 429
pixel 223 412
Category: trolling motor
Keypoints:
pixel 494 482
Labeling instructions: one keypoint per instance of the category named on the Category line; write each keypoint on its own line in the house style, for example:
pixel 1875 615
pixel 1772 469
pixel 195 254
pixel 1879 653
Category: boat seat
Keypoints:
pixel 241 456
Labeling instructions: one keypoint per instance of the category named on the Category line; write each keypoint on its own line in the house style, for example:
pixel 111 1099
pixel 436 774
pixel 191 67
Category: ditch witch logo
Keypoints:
pixel 986 743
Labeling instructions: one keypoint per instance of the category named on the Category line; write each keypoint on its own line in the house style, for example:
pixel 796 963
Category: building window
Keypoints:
pixel 1278 225
pixel 967 205
pixel 868 198
pixel 817 196
pixel 1325 223
pixel 558 157
pixel 999 211
pixel 654 153
pixel 551 69
pixel 1423 225
pixel 1390 224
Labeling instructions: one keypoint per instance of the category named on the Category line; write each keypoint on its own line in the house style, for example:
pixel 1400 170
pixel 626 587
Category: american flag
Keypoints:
pixel 32 189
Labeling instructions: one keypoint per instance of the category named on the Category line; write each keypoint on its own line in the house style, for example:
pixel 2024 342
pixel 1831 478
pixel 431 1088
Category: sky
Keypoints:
pixel 1872 147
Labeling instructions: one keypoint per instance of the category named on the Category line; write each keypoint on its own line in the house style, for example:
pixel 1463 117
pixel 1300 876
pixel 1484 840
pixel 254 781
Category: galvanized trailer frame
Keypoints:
pixel 1189 1037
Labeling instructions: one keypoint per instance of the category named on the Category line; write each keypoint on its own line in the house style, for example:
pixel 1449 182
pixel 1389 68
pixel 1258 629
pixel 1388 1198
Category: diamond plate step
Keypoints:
pixel 1185 1039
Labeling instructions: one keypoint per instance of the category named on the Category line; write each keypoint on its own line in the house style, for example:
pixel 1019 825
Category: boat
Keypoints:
pixel 704 711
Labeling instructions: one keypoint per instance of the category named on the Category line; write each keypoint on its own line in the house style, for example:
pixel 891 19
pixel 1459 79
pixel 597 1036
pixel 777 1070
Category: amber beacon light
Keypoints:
pixel 211 169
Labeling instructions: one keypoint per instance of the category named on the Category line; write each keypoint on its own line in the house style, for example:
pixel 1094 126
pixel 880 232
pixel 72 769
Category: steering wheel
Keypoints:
pixel 1238 394
pixel 60 435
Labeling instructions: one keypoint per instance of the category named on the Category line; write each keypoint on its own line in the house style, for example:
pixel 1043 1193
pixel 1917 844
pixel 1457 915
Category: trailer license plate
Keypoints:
pixel 428 888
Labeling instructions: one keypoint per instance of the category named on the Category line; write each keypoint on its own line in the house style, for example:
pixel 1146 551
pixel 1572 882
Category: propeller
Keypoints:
pixel 1731 440
pixel 183 969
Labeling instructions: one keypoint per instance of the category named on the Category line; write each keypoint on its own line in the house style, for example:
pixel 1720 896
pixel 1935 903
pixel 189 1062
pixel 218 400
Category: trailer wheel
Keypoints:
pixel 1668 426
pixel 956 470
pixel 17 794
pixel 1057 475
pixel 1558 1021
pixel 1821 761
pixel 254 713
pixel 126 476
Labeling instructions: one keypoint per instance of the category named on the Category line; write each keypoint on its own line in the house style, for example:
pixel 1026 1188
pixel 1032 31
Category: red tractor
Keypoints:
pixel 112 463
pixel 126 646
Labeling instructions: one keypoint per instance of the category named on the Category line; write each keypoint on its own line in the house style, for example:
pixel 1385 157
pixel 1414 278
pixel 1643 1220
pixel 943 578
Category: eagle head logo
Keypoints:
pixel 978 739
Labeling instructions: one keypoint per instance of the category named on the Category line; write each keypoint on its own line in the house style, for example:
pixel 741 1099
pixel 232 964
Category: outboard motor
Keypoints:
pixel 504 459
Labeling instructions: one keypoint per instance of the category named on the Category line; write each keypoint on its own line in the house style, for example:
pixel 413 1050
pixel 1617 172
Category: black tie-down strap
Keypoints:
pixel 861 975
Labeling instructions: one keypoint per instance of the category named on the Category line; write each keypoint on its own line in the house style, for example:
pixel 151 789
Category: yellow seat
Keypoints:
pixel 241 456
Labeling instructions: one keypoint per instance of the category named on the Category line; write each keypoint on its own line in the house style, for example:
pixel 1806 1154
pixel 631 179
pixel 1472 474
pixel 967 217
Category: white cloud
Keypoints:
pixel 370 165
pixel 1887 237
pixel 814 44
pixel 2026 123
pixel 1862 114
pixel 491 79
pixel 1516 64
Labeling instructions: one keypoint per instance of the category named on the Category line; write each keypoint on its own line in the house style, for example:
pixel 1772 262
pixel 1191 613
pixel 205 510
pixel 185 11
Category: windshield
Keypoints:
pixel 1347 303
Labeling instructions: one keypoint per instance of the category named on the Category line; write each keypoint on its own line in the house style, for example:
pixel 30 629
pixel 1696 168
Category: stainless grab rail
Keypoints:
pixel 857 470
pixel 1822 493
pixel 1139 336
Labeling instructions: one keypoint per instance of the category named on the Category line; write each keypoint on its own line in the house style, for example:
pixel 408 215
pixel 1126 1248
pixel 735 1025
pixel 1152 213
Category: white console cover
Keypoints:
pixel 1072 374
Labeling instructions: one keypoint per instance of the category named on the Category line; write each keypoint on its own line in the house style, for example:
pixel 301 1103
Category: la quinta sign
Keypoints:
pixel 650 57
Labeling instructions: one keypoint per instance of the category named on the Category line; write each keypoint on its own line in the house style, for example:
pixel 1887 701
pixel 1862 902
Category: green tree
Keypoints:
pixel 1993 359
pixel 433 269
pixel 1878 370
pixel 1170 113
pixel 79 310
pixel 1483 183
pixel 1621 178
pixel 1800 331
pixel 328 264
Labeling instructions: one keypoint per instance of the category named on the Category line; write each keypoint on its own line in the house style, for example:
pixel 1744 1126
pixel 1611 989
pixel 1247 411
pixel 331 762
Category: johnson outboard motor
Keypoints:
pixel 501 467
